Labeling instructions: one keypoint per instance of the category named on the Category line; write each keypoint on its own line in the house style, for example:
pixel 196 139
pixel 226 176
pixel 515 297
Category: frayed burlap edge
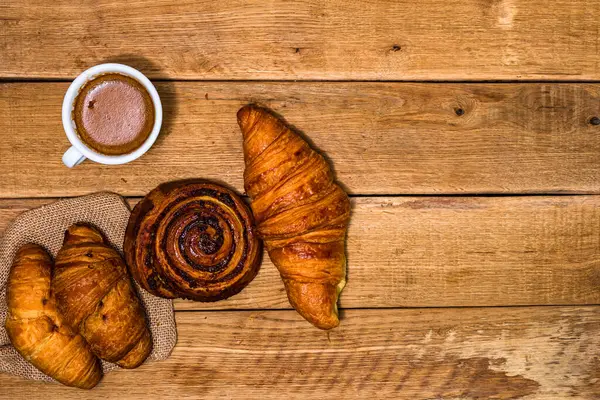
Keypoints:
pixel 46 226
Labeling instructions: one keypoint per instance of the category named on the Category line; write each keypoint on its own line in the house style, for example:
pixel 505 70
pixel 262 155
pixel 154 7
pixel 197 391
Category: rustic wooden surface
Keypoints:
pixel 479 353
pixel 383 138
pixel 278 39
pixel 474 246
pixel 447 252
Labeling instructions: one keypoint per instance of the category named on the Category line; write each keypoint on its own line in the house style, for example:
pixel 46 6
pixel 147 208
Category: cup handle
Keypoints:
pixel 72 157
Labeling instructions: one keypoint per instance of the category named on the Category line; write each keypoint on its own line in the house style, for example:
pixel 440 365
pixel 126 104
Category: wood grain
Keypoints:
pixel 502 353
pixel 448 251
pixel 338 39
pixel 382 138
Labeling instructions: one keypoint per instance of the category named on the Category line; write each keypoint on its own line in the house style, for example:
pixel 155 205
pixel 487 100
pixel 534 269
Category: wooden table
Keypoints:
pixel 465 131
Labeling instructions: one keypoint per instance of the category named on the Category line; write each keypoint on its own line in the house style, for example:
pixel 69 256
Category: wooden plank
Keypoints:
pixel 500 353
pixel 339 39
pixel 383 138
pixel 453 251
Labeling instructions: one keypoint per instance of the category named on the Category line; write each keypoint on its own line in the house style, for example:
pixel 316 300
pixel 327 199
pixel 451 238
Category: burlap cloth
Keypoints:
pixel 46 226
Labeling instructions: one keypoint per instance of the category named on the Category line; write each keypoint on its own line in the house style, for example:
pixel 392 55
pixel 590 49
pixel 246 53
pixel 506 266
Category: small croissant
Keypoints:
pixel 96 297
pixel 37 330
pixel 301 213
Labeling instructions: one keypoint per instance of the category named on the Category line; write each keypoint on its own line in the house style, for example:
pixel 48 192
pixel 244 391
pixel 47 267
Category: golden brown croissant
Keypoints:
pixel 95 295
pixel 37 330
pixel 301 213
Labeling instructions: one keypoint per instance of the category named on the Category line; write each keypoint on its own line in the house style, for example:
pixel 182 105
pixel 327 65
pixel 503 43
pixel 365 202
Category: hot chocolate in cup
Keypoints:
pixel 111 114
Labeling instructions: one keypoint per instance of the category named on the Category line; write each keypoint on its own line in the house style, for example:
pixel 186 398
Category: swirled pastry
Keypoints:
pixel 192 239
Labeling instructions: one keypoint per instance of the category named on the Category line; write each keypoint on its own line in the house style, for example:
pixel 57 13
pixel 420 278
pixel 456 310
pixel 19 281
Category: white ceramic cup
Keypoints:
pixel 79 151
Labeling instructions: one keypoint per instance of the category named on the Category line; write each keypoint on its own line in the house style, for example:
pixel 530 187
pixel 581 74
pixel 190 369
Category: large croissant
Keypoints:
pixel 96 296
pixel 37 330
pixel 301 213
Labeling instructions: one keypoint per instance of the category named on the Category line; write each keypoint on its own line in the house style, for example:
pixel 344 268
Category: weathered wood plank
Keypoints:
pixel 437 252
pixel 499 353
pixel 383 138
pixel 340 39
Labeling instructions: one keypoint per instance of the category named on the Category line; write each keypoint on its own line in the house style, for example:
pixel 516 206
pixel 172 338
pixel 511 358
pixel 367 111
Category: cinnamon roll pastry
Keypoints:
pixel 192 239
